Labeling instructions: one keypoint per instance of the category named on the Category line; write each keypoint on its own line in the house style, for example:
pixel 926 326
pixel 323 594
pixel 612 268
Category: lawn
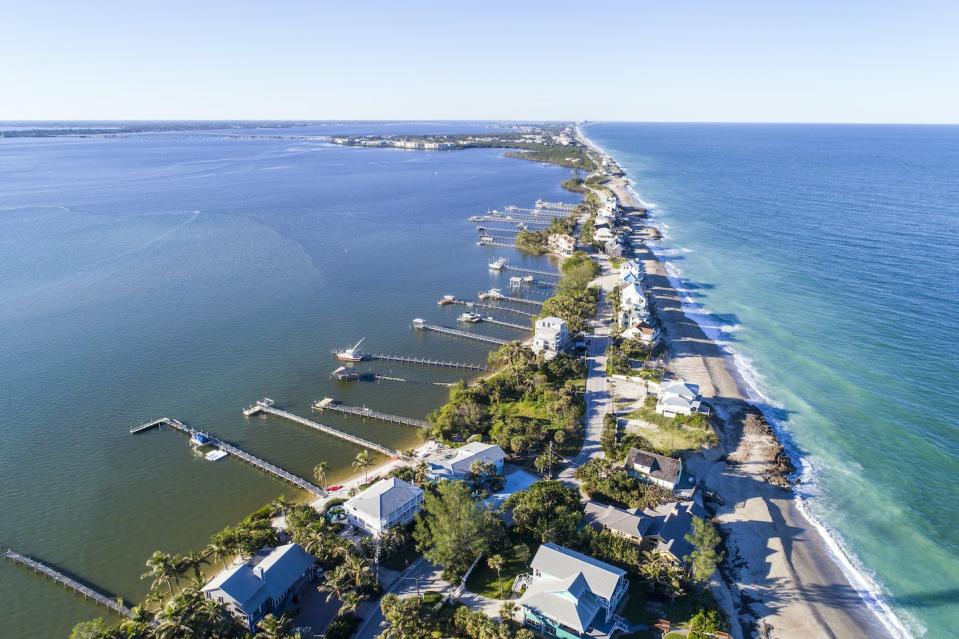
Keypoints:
pixel 484 580
pixel 673 441
pixel 402 557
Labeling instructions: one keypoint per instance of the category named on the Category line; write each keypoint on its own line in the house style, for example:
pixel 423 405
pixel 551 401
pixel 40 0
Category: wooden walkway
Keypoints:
pixel 519 327
pixel 492 307
pixel 266 406
pixel 115 604
pixel 532 271
pixel 239 453
pixel 328 403
pixel 497 244
pixel 516 300
pixel 425 361
pixel 422 325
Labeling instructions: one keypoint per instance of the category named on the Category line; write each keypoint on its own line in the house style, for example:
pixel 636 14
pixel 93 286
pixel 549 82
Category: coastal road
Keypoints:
pixel 597 397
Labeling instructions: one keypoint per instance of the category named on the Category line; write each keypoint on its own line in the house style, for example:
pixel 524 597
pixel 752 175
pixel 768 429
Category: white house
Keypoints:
pixel 678 397
pixel 263 584
pixel 550 336
pixel 633 306
pixel 456 463
pixel 643 332
pixel 387 503
pixel 561 243
pixel 603 235
pixel 632 267
pixel 571 595
pixel 658 469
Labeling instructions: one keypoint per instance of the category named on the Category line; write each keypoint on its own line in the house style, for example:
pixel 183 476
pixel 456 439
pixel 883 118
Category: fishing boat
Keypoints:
pixel 446 299
pixel 353 354
pixel 498 264
pixel 471 318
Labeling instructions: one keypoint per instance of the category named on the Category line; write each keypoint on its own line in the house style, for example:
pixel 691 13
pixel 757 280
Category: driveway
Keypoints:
pixel 421 577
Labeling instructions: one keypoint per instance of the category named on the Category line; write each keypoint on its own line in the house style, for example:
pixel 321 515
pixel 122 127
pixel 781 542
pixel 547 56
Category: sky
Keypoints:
pixel 768 61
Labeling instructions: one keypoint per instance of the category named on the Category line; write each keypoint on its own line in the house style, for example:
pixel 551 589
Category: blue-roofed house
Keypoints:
pixel 570 595
pixel 263 584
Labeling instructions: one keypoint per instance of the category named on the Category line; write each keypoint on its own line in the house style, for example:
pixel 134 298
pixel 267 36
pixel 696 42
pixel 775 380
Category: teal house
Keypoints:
pixel 571 595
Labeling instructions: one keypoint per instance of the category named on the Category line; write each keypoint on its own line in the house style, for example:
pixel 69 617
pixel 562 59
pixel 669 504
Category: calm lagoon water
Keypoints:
pixel 828 258
pixel 188 275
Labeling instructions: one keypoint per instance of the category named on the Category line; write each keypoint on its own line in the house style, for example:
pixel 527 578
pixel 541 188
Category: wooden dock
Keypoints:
pixel 115 603
pixel 328 403
pixel 426 326
pixel 425 361
pixel 239 453
pixel 532 271
pixel 542 211
pixel 266 406
pixel 492 307
pixel 493 320
pixel 515 300
pixel 496 244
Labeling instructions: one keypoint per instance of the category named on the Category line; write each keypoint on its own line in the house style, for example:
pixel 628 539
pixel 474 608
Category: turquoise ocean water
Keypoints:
pixel 827 258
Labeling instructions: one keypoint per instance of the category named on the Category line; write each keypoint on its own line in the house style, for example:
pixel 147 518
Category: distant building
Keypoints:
pixel 658 469
pixel 603 235
pixel 456 463
pixel 571 595
pixel 665 527
pixel 550 336
pixel 387 503
pixel 678 397
pixel 263 584
pixel 613 248
pixel 561 243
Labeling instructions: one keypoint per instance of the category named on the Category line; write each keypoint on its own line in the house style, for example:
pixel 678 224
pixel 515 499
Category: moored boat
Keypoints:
pixel 353 354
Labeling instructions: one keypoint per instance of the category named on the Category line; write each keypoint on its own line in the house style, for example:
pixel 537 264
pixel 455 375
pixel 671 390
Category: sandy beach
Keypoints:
pixel 780 573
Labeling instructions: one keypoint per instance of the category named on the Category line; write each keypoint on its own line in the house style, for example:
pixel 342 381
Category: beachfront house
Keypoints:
pixel 678 397
pixel 456 463
pixel 387 503
pixel 634 268
pixel 657 469
pixel 663 528
pixel 613 248
pixel 262 585
pixel 561 243
pixel 550 336
pixel 645 333
pixel 602 235
pixel 570 595
pixel 633 306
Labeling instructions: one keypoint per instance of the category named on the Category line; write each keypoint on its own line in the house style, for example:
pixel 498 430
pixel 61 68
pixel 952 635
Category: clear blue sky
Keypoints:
pixel 675 61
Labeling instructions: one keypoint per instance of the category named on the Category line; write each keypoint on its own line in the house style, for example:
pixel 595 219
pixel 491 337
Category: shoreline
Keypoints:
pixel 814 561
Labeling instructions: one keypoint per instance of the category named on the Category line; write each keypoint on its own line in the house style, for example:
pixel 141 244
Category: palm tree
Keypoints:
pixel 271 627
pixel 194 561
pixel 162 569
pixel 496 562
pixel 506 610
pixel 280 505
pixel 220 548
pixel 319 473
pixel 421 472
pixel 363 462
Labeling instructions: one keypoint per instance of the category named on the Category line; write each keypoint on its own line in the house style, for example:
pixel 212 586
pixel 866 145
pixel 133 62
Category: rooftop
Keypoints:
pixel 384 497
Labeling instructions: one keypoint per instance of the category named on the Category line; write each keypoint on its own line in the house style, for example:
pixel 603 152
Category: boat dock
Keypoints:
pixel 538 211
pixel 328 403
pixel 239 453
pixel 266 406
pixel 493 320
pixel 515 300
pixel 491 307
pixel 115 604
pixel 423 325
pixel 532 271
pixel 425 361
pixel 495 243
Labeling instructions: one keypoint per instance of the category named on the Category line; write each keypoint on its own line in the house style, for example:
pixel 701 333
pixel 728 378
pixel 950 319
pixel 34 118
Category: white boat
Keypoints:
pixel 353 354
pixel 492 294
pixel 215 455
pixel 446 299
pixel 498 264
pixel 475 218
pixel 470 318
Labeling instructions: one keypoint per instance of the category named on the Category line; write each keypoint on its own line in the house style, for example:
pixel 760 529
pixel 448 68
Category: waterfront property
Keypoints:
pixel 561 244
pixel 571 595
pixel 645 333
pixel 456 463
pixel 263 584
pixel 663 528
pixel 551 336
pixel 387 503
pixel 678 397
pixel 652 467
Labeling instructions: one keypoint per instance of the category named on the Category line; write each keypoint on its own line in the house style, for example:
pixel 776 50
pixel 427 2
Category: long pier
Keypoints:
pixel 493 320
pixel 328 403
pixel 517 300
pixel 541 211
pixel 424 325
pixel 266 406
pixel 115 604
pixel 239 453
pixel 425 361
pixel 492 307
pixel 532 271
pixel 507 220
pixel 496 244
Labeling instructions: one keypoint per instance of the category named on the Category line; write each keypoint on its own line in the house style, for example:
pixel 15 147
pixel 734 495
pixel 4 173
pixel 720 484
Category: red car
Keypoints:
pixel 333 489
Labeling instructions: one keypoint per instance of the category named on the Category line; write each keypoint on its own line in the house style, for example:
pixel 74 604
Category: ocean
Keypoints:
pixel 826 258
pixel 188 274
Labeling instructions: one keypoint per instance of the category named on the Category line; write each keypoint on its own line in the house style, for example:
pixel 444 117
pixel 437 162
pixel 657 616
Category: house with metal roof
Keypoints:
pixel 570 595
pixel 678 397
pixel 263 584
pixel 658 469
pixel 456 463
pixel 387 503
